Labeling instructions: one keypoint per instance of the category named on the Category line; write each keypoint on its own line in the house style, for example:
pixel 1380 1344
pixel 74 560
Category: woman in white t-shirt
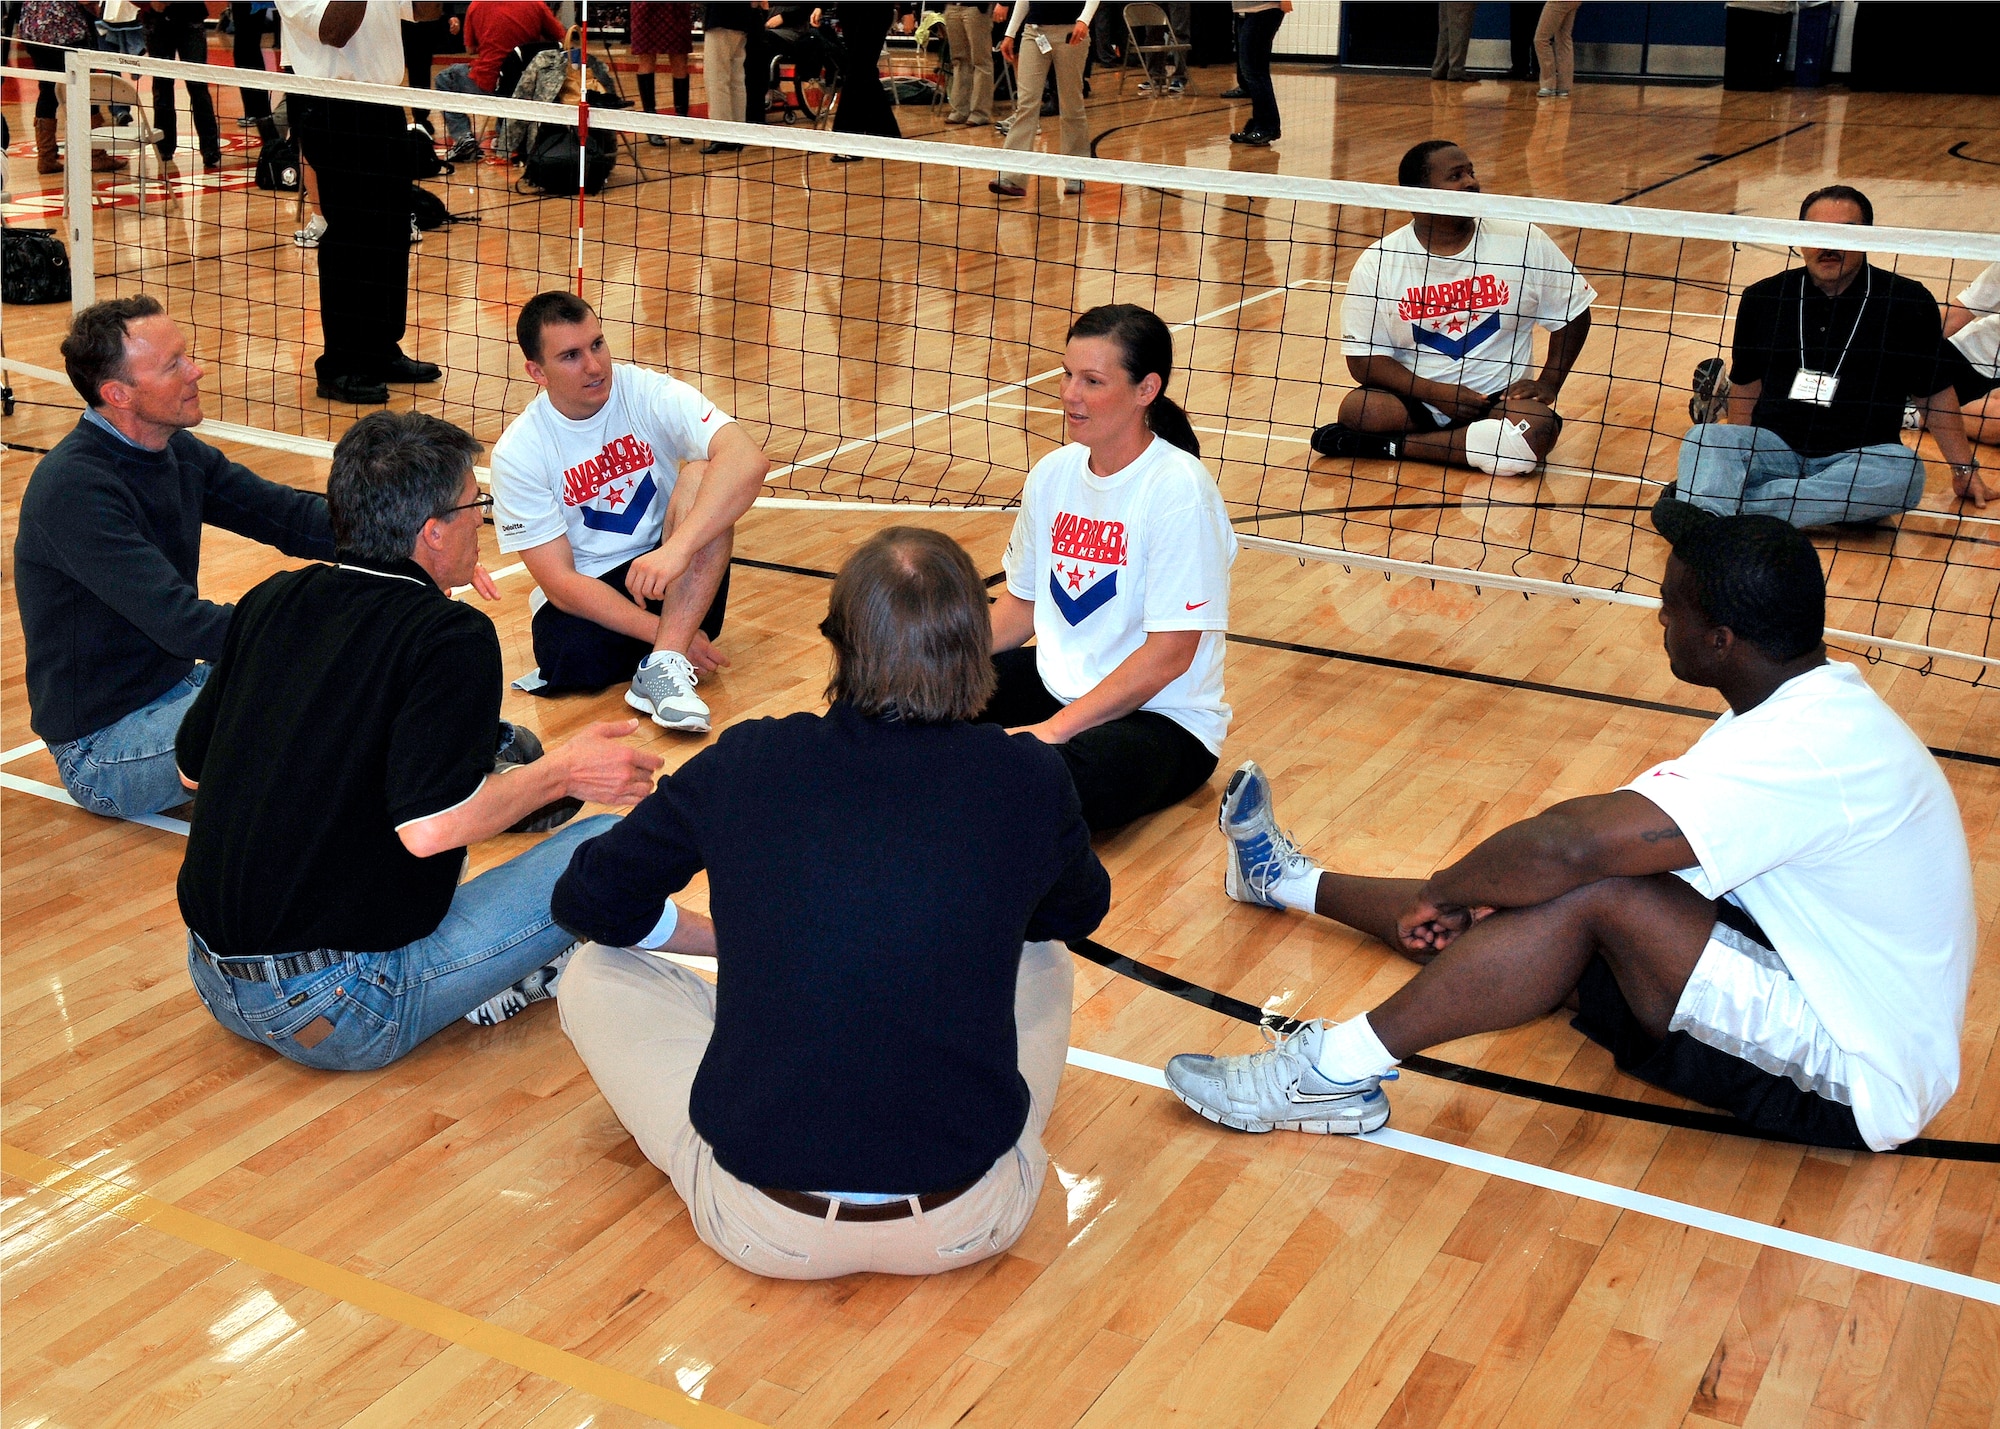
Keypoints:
pixel 1118 567
pixel 1972 323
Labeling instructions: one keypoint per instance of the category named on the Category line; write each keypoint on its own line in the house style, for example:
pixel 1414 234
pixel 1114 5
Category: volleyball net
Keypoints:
pixel 892 333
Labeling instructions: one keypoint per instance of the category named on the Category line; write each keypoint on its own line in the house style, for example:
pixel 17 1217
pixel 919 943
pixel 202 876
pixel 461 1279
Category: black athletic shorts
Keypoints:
pixel 1968 383
pixel 1423 419
pixel 1677 1063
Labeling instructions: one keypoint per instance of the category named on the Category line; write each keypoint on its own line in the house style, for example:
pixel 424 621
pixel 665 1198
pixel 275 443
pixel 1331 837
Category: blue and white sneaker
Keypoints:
pixel 537 986
pixel 1260 853
pixel 1278 1089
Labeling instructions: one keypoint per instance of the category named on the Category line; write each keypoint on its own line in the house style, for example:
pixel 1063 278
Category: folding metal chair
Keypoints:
pixel 1174 49
pixel 114 90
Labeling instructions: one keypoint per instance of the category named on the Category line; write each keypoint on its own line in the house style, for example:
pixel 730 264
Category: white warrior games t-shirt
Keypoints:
pixel 1467 319
pixel 1109 559
pixel 602 482
pixel 1824 816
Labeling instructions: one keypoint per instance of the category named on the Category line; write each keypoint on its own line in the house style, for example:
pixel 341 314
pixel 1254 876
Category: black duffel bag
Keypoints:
pixel 278 167
pixel 551 165
pixel 34 267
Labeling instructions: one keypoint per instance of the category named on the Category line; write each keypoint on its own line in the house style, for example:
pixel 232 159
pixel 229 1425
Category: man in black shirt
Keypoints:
pixel 1826 357
pixel 344 750
pixel 107 560
pixel 866 1084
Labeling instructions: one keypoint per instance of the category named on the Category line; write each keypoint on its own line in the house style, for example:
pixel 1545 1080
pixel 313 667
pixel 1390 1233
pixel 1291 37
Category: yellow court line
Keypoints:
pixel 614 1385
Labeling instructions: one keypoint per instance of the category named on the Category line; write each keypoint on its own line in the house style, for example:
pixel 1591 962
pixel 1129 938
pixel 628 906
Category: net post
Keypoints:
pixel 582 129
pixel 77 215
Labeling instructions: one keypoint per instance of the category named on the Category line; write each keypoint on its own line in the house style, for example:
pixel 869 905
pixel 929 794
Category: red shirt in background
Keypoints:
pixel 494 27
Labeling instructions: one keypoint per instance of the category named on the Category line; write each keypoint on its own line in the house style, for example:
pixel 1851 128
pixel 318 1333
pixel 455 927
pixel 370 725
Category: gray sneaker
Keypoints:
pixel 1278 1089
pixel 537 986
pixel 1260 853
pixel 1711 391
pixel 663 687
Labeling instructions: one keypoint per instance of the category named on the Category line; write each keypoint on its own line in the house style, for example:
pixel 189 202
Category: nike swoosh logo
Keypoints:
pixel 710 413
pixel 1198 604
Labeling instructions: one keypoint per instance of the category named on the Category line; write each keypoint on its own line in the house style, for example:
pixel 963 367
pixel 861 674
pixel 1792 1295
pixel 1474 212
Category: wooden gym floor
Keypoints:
pixel 197 1232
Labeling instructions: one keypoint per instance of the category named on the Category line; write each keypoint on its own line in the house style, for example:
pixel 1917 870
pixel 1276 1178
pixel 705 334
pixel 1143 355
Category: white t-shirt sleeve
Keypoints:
pixel 1557 293
pixel 527 503
pixel 1025 547
pixel 1745 805
pixel 1189 550
pixel 679 415
pixel 1366 315
pixel 1982 294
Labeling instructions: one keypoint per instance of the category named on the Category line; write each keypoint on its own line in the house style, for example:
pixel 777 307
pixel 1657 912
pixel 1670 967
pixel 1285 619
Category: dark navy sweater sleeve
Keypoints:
pixel 1081 895
pixel 617 884
pixel 237 499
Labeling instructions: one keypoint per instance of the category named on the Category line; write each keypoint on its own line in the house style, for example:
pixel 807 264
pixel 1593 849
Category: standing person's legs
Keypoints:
pixel 1031 72
pixel 1134 766
pixel 864 107
pixel 1181 16
pixel 1260 30
pixel 1555 49
pixel 364 255
pixel 722 53
pixel 1069 63
pixel 419 51
pixel 248 53
pixel 373 1008
pixel 1454 41
pixel 127 769
pixel 191 44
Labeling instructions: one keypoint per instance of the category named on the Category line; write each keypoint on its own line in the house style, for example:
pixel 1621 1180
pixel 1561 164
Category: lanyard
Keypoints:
pixel 1867 289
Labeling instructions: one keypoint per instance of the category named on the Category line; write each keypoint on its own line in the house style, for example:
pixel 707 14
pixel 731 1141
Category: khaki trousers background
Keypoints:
pixel 1555 50
pixel 641 1025
pixel 722 56
pixel 970 35
pixel 1031 72
pixel 1454 41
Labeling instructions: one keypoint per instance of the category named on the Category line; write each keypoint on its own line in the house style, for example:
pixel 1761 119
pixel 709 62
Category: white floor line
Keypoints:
pixel 21 749
pixel 1680 1212
pixel 61 796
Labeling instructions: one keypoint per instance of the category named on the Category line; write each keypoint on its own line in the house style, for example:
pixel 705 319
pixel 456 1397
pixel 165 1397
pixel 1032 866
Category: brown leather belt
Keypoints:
pixel 807 1204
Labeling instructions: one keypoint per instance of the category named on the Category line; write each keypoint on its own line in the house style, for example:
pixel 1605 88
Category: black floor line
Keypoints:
pixel 23 447
pixel 1969 158
pixel 1711 163
pixel 1418 667
pixel 1597 1102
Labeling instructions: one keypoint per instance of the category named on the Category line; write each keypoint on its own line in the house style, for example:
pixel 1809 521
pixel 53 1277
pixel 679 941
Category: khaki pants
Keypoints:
pixel 722 55
pixel 642 1024
pixel 970 35
pixel 1555 50
pixel 1454 41
pixel 1031 72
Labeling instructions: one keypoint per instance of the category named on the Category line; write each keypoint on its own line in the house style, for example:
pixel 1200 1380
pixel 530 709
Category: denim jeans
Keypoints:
pixel 127 769
pixel 1750 471
pixel 381 1005
pixel 1254 38
pixel 456 79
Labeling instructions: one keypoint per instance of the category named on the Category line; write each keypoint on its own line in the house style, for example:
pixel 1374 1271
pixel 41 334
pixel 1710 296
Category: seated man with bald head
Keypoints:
pixel 1439 332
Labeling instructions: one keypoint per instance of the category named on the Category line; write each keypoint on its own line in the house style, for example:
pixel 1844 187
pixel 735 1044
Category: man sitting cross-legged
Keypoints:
pixel 1778 923
pixel 1439 331
pixel 621 489
pixel 347 749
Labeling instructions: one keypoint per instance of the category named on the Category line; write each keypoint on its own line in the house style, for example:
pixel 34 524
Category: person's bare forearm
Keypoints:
pixel 1956 317
pixel 1013 621
pixel 591 599
pixel 1743 402
pixel 509 795
pixel 1947 427
pixel 729 488
pixel 1565 344
pixel 341 21
pixel 1562 848
pixel 1164 658
pixel 1391 376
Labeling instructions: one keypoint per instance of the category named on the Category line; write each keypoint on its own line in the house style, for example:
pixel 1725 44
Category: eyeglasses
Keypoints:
pixel 483 504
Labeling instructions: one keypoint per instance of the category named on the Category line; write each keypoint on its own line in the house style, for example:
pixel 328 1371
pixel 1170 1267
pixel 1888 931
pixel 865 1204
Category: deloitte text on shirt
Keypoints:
pixel 602 482
pixel 1108 560
pixel 1467 319
pixel 1827 820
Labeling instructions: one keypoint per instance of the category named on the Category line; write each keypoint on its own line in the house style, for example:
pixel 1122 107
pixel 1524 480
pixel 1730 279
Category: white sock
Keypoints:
pixel 1299 891
pixel 1351 1052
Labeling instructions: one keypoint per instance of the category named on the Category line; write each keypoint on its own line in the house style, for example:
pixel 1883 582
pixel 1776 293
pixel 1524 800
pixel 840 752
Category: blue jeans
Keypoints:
pixel 456 79
pixel 1750 471
pixel 1254 36
pixel 127 769
pixel 381 1005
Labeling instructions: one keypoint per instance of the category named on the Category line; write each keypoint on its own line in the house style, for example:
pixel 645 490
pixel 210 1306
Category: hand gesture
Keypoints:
pixel 482 583
pixel 1429 926
pixel 1045 732
pixel 601 769
pixel 1463 402
pixel 1079 33
pixel 1007 50
pixel 1971 486
pixel 704 656
pixel 1531 389
pixel 652 573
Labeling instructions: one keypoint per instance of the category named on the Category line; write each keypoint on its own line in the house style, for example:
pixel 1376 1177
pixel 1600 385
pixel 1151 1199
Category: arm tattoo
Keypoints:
pixel 1655 836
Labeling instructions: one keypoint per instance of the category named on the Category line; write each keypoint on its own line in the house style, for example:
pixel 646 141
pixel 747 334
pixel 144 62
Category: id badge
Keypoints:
pixel 1814 387
pixel 1042 42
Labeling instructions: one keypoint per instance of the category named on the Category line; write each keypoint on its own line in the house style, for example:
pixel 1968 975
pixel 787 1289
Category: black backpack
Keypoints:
pixel 428 212
pixel 421 147
pixel 278 167
pixel 551 165
pixel 34 267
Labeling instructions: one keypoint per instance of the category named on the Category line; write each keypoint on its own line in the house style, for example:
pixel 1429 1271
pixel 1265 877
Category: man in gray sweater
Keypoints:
pixel 108 557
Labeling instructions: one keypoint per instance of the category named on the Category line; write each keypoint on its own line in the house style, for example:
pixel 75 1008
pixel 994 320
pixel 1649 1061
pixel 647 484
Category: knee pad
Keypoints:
pixel 1500 448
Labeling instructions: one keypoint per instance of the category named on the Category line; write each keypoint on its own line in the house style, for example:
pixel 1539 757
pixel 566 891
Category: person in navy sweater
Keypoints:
pixel 864 1086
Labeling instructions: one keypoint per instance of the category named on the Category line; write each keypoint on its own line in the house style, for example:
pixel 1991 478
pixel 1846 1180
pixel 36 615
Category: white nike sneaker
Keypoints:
pixel 663 687
pixel 1278 1089
pixel 1260 853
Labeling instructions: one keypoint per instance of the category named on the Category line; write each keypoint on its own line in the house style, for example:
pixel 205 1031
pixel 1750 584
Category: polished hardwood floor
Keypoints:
pixel 198 1233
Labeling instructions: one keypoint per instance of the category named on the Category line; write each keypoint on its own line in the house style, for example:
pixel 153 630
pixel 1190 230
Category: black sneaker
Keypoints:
pixel 1333 439
pixel 1235 91
pixel 1675 518
pixel 520 746
pixel 1711 390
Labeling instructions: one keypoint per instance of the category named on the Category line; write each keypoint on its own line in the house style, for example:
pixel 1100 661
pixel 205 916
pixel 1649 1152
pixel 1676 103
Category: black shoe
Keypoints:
pixel 1236 91
pixel 519 746
pixel 361 391
pixel 1006 190
pixel 712 147
pixel 1675 518
pixel 1333 439
pixel 846 158
pixel 409 369
pixel 1711 390
pixel 1256 138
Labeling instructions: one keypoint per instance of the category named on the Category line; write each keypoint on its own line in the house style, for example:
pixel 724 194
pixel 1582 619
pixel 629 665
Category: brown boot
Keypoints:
pixel 48 160
pixel 106 163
